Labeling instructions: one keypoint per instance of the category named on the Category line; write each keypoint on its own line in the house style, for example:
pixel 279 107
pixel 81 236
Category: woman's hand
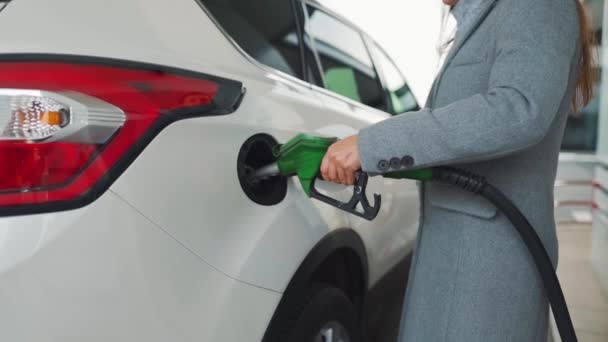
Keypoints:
pixel 342 161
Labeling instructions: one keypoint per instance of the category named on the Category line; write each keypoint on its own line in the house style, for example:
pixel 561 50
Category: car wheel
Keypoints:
pixel 325 315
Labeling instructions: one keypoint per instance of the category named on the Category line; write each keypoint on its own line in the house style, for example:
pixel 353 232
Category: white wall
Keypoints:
pixel 407 29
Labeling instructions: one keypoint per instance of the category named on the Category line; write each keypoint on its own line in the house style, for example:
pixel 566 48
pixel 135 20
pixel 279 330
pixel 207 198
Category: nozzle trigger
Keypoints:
pixel 359 196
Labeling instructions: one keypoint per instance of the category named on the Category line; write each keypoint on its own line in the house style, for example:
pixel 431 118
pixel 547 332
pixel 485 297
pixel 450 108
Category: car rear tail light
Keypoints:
pixel 68 129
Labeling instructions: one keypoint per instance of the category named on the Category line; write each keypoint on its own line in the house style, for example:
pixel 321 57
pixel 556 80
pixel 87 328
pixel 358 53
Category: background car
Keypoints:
pixel 128 128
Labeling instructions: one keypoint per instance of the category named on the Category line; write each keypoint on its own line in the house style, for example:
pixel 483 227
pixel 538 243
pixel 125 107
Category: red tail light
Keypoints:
pixel 67 130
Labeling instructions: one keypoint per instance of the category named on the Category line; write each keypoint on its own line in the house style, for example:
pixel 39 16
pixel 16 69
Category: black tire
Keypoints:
pixel 320 306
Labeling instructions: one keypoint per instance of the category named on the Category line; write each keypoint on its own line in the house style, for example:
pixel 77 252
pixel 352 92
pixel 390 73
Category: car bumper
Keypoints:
pixel 106 273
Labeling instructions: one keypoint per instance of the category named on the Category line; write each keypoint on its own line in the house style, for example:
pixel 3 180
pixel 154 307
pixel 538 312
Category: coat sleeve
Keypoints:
pixel 536 42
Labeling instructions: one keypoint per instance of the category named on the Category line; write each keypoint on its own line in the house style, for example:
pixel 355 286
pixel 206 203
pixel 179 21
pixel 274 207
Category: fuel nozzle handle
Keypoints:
pixel 359 197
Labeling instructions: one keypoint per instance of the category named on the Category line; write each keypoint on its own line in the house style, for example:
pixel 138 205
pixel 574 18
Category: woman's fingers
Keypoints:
pixel 325 167
pixel 341 173
pixel 350 178
pixel 338 161
pixel 341 162
pixel 332 172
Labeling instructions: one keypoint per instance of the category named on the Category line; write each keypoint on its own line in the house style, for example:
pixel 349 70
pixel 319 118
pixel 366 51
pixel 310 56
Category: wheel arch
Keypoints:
pixel 340 246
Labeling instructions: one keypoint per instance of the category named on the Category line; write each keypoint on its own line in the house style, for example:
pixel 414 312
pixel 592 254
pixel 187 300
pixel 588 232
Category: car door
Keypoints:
pixel 400 98
pixel 354 98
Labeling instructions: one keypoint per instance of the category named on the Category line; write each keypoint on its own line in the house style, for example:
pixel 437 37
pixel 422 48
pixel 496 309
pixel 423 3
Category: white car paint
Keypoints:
pixel 175 251
pixel 107 273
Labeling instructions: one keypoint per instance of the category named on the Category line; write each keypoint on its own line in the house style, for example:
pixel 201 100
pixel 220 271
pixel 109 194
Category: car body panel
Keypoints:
pixel 107 273
pixel 275 103
pixel 198 203
pixel 132 30
pixel 175 250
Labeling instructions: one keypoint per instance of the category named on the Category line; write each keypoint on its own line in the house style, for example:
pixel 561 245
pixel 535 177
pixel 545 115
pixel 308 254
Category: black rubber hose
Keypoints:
pixel 478 185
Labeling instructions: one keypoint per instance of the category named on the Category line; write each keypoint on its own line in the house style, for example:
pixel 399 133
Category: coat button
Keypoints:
pixel 383 165
pixel 395 163
pixel 407 162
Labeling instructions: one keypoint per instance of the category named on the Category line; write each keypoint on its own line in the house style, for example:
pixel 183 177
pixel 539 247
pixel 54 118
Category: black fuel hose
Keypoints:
pixel 478 185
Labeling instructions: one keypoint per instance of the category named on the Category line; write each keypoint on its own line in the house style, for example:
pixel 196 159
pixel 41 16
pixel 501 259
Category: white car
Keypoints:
pixel 126 129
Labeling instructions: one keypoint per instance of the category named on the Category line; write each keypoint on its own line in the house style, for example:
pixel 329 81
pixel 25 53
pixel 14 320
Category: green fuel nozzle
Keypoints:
pixel 302 156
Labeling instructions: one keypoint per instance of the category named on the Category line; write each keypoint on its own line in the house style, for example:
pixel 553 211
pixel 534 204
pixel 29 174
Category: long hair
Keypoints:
pixel 587 72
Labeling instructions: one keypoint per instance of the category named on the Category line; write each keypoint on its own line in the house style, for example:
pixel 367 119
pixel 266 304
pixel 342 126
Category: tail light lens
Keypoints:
pixel 67 130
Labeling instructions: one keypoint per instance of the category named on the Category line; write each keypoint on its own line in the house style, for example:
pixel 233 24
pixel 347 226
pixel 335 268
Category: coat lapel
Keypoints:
pixel 462 35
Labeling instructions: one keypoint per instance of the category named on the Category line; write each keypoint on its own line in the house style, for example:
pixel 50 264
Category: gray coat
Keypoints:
pixel 498 108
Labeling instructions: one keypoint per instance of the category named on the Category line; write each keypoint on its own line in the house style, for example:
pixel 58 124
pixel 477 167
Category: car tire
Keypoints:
pixel 324 314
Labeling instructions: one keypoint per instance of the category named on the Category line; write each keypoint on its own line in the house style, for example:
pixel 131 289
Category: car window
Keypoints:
pixel 400 97
pixel 265 29
pixel 346 64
